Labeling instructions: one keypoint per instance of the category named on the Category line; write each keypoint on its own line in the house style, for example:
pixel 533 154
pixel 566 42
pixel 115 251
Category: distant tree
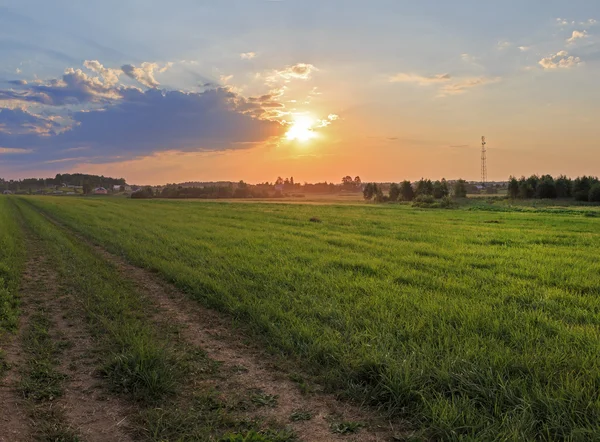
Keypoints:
pixel 582 186
pixel 594 196
pixel 525 188
pixel 513 188
pixel 440 189
pixel 279 181
pixel 357 182
pixel 348 182
pixel 143 193
pixel 460 189
pixel 564 187
pixel 546 188
pixel 394 192
pixel 406 191
pixel 379 196
pixel 424 187
pixel 87 187
pixel 370 190
pixel 122 188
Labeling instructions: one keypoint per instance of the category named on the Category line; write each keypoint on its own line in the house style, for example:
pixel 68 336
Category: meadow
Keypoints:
pixel 470 324
pixel 11 260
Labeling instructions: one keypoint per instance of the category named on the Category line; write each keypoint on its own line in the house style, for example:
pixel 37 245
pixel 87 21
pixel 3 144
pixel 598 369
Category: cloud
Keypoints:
pixel 18 71
pixel 20 122
pixel 524 48
pixel 145 73
pixel 299 71
pixel 110 76
pixel 74 87
pixel 560 60
pixel 12 151
pixel 576 36
pixel 248 55
pixel 139 123
pixel 461 86
pixel 504 45
pixel 419 79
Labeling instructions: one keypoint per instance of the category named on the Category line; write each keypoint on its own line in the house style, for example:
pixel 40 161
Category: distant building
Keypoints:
pixel 7 192
pixel 100 191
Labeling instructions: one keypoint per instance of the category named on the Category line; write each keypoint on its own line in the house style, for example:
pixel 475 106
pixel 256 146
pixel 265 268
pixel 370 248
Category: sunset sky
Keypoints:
pixel 180 90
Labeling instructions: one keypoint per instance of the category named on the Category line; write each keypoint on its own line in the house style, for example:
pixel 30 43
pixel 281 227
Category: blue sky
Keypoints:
pixel 171 91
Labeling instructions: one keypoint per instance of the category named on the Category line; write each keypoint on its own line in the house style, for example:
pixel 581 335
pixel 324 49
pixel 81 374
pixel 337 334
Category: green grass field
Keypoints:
pixel 471 324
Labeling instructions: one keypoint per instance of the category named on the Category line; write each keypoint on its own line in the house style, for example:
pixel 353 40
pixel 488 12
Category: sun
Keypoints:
pixel 301 129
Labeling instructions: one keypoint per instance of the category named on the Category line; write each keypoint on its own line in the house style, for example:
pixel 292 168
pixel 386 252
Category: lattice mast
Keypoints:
pixel 483 162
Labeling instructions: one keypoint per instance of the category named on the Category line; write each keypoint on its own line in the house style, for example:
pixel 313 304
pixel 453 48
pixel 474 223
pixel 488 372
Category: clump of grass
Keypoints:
pixel 300 415
pixel 346 427
pixel 263 399
pixel 315 219
pixel 262 436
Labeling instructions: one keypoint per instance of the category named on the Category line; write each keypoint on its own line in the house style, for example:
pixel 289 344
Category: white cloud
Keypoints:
pixel 10 150
pixel 504 45
pixel 248 55
pixel 225 78
pixel 576 36
pixel 461 86
pixel 560 60
pixel 110 76
pixel 524 48
pixel 18 71
pixel 299 71
pixel 145 73
pixel 419 79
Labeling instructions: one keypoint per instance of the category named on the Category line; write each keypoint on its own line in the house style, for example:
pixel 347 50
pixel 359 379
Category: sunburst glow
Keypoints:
pixel 301 129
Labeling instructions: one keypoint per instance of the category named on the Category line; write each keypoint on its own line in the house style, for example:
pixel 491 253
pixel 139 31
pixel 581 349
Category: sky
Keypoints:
pixel 197 90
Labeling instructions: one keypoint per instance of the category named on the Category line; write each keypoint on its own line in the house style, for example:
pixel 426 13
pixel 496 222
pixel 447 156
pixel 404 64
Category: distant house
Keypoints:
pixel 7 192
pixel 100 191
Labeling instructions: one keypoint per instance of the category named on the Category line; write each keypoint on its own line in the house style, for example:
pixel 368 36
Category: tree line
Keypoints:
pixel 423 190
pixel 85 181
pixel 584 188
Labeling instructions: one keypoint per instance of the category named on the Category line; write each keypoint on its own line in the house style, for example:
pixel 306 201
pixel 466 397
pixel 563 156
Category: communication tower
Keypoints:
pixel 483 162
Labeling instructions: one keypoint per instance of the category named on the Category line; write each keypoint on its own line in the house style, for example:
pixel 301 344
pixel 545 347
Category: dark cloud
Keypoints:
pixel 75 87
pixel 139 123
pixel 19 122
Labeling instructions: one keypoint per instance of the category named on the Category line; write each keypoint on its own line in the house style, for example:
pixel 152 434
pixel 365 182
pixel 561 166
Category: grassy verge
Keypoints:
pixel 11 263
pixel 143 360
pixel 472 324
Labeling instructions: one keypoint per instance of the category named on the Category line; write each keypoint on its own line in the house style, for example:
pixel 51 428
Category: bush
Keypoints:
pixel 394 192
pixel 144 193
pixel 406 191
pixel 460 189
pixel 594 196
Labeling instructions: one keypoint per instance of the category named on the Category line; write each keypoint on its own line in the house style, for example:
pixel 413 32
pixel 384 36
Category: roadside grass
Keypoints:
pixel 41 382
pixel 142 359
pixel 471 323
pixel 11 264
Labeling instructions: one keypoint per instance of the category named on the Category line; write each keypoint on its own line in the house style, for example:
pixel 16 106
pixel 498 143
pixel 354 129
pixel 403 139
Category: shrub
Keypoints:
pixel 394 192
pixel 460 189
pixel 406 191
pixel 440 189
pixel 594 195
pixel 146 192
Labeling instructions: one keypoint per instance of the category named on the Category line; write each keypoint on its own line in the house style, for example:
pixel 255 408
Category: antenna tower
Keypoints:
pixel 483 162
